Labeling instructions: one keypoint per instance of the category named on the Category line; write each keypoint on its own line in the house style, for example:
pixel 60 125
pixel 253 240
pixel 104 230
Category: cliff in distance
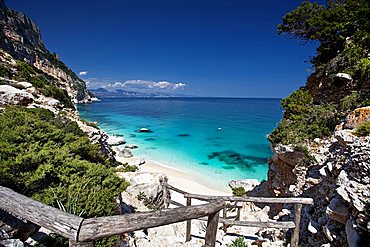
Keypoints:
pixel 21 38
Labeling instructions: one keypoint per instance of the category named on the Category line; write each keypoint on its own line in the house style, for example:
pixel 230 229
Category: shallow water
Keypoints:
pixel 214 139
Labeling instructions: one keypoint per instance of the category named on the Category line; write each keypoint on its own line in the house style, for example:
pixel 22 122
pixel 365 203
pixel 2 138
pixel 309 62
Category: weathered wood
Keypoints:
pixel 297 221
pixel 211 231
pixel 224 216
pixel 80 244
pixel 92 229
pixel 176 189
pixel 270 224
pixel 165 193
pixel 188 223
pixel 293 200
pixel 62 223
pixel 176 203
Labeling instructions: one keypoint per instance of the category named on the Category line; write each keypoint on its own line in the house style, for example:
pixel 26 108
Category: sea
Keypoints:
pixel 215 140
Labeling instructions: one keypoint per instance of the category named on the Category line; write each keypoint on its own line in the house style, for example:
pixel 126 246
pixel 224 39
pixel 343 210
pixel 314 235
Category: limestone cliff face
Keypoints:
pixel 336 174
pixel 21 38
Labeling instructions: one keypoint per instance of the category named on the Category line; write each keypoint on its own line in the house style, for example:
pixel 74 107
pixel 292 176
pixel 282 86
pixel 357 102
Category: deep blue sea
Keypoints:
pixel 214 139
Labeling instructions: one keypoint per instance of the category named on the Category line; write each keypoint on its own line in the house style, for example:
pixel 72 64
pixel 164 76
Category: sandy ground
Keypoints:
pixel 178 179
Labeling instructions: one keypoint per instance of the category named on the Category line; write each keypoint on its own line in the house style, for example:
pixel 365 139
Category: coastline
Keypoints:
pixel 177 178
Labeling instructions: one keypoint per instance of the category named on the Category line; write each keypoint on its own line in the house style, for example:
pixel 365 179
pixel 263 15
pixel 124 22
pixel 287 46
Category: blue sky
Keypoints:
pixel 198 47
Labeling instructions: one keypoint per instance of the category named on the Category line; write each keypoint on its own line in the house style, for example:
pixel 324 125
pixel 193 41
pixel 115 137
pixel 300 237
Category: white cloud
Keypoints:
pixel 136 85
pixel 83 72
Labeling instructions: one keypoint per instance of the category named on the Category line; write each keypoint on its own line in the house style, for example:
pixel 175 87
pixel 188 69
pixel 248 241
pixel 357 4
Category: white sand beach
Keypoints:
pixel 178 178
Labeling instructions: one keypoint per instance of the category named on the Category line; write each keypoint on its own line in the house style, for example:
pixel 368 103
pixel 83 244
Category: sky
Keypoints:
pixel 225 48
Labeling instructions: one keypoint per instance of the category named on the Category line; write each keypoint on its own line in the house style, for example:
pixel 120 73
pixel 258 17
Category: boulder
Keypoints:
pixel 115 140
pixel 125 153
pixel 24 84
pixel 11 243
pixel 131 146
pixel 337 210
pixel 144 130
pixel 247 184
pixel 12 96
pixel 357 116
pixel 146 183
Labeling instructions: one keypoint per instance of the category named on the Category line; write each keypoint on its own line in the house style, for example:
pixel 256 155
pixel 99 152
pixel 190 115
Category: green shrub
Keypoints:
pixel 363 129
pixel 304 121
pixel 4 72
pixel 239 242
pixel 239 191
pixel 49 158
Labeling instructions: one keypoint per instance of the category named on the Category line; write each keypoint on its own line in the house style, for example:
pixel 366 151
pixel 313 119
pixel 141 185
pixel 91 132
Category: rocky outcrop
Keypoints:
pixel 335 173
pixel 21 38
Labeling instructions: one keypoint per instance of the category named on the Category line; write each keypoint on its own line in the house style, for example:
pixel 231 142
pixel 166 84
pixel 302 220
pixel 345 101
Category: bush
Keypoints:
pixel 239 191
pixel 4 72
pixel 49 158
pixel 304 121
pixel 239 242
pixel 363 129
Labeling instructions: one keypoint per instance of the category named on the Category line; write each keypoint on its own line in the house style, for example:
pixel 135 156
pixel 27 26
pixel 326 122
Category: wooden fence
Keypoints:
pixel 82 232
pixel 225 220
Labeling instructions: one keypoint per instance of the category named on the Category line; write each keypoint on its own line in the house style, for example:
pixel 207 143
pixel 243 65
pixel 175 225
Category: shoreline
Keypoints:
pixel 177 178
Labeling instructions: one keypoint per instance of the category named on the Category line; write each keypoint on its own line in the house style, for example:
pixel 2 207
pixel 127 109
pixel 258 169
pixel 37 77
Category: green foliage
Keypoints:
pixel 148 202
pixel 363 129
pixel 50 159
pixel 350 102
pixel 239 242
pixel 45 86
pixel 239 191
pixel 331 25
pixel 304 121
pixel 4 72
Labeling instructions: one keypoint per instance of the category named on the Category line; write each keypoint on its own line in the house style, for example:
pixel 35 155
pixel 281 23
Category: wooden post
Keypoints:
pixel 165 193
pixel 73 243
pixel 224 213
pixel 211 231
pixel 297 221
pixel 188 222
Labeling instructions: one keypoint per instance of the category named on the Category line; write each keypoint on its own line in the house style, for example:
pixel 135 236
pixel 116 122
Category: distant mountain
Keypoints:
pixel 120 93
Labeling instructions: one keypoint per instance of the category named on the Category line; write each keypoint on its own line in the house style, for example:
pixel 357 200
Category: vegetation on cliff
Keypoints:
pixel 50 159
pixel 342 68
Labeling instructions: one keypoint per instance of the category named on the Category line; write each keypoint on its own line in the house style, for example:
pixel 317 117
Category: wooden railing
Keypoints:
pixel 82 232
pixel 298 202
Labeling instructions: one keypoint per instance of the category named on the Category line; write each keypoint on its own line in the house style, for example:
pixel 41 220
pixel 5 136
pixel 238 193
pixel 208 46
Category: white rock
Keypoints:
pixel 139 162
pixel 312 227
pixel 327 233
pixel 247 184
pixel 24 84
pixel 344 76
pixel 322 171
pixel 292 188
pixel 12 96
pixel 115 140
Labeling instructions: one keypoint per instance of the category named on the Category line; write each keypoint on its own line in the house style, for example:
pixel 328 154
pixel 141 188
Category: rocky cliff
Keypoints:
pixel 21 38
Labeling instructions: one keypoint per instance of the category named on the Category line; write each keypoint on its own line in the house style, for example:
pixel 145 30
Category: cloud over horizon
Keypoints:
pixel 83 72
pixel 135 85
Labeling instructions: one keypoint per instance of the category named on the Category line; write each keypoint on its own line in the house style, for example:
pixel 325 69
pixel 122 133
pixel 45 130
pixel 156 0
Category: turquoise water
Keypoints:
pixel 214 139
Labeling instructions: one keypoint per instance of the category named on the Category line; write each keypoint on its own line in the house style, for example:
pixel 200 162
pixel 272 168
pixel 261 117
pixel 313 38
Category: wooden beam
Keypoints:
pixel 297 221
pixel 55 220
pixel 176 203
pixel 101 227
pixel 292 200
pixel 270 224
pixel 188 223
pixel 176 189
pixel 224 216
pixel 211 231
